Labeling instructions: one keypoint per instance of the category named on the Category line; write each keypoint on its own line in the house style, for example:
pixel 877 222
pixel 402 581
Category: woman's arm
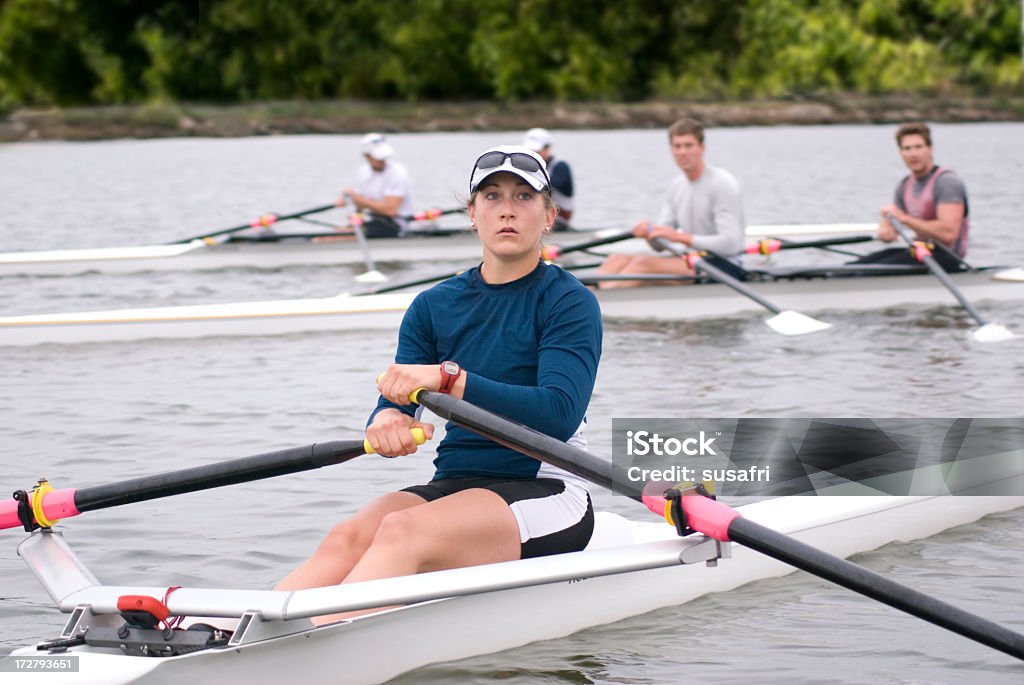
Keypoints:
pixel 568 356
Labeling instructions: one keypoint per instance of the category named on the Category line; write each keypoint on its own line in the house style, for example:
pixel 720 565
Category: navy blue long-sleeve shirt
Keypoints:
pixel 529 349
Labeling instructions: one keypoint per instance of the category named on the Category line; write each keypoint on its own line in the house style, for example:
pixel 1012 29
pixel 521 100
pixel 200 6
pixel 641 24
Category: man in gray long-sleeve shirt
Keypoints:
pixel 703 211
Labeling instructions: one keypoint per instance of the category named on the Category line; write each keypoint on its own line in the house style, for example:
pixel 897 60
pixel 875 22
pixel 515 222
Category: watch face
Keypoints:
pixel 450 368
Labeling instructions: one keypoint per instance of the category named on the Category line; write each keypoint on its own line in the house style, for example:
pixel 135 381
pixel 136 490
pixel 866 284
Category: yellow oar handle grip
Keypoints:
pixel 417 435
pixel 412 397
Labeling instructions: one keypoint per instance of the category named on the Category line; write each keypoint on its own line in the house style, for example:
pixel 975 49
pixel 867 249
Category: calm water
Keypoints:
pixel 89 414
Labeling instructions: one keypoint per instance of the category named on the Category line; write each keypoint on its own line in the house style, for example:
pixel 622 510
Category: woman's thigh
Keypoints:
pixel 467 528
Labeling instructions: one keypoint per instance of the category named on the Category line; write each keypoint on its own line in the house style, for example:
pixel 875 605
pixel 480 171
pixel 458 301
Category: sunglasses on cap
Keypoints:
pixel 520 161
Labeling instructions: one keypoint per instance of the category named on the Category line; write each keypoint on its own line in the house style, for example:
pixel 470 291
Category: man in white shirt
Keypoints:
pixel 382 190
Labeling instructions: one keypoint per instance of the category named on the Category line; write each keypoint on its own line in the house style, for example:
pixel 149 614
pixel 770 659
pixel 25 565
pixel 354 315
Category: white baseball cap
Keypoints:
pixel 537 139
pixel 515 159
pixel 376 145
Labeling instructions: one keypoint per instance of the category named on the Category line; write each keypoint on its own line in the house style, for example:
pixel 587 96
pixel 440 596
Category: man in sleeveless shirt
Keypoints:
pixel 931 201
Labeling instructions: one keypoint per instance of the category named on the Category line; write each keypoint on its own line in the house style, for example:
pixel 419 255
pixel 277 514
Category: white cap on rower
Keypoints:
pixel 376 145
pixel 537 139
pixel 515 159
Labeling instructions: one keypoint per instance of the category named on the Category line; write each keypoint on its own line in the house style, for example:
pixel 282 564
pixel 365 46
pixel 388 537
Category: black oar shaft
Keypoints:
pixel 941 274
pixel 596 242
pixel 827 244
pixel 451 274
pixel 717 274
pixel 824 242
pixel 654 278
pixel 878 587
pixel 319 222
pixel 242 227
pixel 740 530
pixel 527 441
pixel 937 270
pixel 229 472
pixel 412 284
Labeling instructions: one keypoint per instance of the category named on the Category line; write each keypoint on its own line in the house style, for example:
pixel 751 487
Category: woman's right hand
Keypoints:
pixel 391 433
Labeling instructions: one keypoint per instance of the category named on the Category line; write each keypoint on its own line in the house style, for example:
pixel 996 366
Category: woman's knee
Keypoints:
pixel 399 529
pixel 347 537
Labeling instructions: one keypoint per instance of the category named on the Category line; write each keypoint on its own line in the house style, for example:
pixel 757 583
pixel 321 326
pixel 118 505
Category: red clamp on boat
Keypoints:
pixel 142 611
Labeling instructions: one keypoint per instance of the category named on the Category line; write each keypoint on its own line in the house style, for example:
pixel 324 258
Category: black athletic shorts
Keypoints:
pixel 554 516
pixel 381 227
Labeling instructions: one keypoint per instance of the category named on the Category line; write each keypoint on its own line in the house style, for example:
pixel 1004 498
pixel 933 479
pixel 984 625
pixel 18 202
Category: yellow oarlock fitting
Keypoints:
pixel 38 492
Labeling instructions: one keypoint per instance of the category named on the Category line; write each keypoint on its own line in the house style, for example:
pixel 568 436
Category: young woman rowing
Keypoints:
pixel 515 336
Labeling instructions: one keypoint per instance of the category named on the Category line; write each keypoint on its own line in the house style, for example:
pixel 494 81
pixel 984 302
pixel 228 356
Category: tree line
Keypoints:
pixel 85 52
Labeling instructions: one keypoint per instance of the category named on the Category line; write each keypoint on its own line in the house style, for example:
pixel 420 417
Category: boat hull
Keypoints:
pixel 384 312
pixel 460 627
pixel 675 303
pixel 341 313
pixel 198 256
pixel 461 246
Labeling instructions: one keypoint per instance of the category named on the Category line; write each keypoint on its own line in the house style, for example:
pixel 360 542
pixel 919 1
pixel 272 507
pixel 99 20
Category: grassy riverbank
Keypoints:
pixel 274 118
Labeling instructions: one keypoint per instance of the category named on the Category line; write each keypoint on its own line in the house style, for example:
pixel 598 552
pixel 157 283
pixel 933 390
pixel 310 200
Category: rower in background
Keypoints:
pixel 539 140
pixel 930 200
pixel 382 190
pixel 703 211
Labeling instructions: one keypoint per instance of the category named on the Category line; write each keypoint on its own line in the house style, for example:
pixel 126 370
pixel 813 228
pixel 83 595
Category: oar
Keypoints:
pixel 597 279
pixel 371 275
pixel 988 332
pixel 320 222
pixel 551 253
pixel 411 284
pixel 723 523
pixel 548 253
pixel 433 213
pixel 771 245
pixel 425 215
pixel 45 506
pixel 265 220
pixel 786 322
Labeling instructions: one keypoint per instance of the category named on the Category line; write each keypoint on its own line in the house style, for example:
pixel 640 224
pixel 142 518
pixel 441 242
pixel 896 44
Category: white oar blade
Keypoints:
pixel 791 322
pixel 373 276
pixel 1015 274
pixel 993 332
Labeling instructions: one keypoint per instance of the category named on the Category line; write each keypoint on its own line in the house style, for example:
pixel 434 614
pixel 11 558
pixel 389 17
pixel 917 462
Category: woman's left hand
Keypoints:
pixel 400 380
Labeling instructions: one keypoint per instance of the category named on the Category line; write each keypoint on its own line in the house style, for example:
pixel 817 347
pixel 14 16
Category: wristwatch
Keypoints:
pixel 450 372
